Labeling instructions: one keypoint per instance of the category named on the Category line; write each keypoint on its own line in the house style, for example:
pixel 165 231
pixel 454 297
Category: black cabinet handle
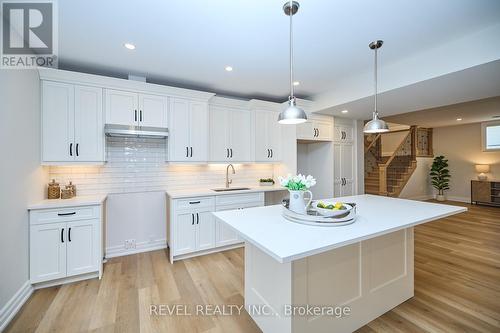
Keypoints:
pixel 318 131
pixel 197 218
pixel 70 149
pixel 227 152
pixel 191 151
pixel 135 115
pixel 268 153
pixel 272 153
pixel 192 219
pixel 69 235
pixel 77 153
pixel 187 152
pixel 62 235
pixel 66 214
pixel 140 115
pixel 231 152
pixel 194 202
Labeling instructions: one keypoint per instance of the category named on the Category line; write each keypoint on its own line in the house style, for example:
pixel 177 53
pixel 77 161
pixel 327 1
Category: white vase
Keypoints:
pixel 440 197
pixel 297 203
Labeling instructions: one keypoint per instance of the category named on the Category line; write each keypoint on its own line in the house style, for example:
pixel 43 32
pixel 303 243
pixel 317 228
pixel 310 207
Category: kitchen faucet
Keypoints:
pixel 229 181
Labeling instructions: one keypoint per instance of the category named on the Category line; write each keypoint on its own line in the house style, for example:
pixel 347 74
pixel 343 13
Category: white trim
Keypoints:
pixel 420 197
pixel 10 309
pixel 66 280
pixel 204 252
pixel 483 135
pixel 459 199
pixel 120 84
pixel 120 250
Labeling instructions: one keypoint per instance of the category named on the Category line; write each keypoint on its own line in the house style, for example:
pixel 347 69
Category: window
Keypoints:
pixel 491 136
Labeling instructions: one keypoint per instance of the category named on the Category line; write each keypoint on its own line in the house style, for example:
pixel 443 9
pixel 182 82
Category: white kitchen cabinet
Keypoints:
pixel 343 169
pixel 65 242
pixel 230 134
pixel 205 235
pixel 343 133
pixel 72 124
pixel 135 109
pixel 185 233
pixel 315 130
pixel 267 137
pixel 188 132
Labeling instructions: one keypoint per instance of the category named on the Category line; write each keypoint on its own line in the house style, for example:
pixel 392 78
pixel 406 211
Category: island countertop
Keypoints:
pixel 287 241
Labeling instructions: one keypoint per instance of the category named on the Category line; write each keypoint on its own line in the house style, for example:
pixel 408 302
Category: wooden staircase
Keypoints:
pixel 388 175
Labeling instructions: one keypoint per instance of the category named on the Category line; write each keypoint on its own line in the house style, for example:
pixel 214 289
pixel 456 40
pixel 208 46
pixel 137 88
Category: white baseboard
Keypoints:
pixel 14 304
pixel 118 251
pixel 459 199
pixel 420 197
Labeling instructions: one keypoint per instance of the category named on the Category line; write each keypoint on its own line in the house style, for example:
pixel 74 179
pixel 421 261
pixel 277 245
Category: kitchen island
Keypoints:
pixel 301 278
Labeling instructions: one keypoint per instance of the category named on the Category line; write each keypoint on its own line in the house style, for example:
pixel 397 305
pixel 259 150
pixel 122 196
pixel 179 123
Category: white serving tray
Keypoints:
pixel 314 218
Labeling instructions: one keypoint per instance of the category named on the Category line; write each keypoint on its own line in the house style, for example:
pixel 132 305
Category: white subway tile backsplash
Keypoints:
pixel 138 165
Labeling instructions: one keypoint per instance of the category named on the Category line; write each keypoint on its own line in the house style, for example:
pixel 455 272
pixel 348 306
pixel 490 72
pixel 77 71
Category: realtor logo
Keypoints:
pixel 29 34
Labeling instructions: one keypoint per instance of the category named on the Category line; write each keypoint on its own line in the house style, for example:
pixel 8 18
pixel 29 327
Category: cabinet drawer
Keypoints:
pixel 195 203
pixel 240 199
pixel 42 216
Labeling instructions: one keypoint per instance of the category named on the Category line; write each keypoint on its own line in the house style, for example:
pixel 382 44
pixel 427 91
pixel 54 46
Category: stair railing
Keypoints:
pixel 407 149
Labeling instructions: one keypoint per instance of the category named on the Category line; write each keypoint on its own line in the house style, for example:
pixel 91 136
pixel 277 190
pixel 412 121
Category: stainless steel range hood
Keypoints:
pixel 135 131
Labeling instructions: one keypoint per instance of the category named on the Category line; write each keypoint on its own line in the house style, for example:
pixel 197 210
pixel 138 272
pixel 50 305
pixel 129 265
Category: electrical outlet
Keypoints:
pixel 129 244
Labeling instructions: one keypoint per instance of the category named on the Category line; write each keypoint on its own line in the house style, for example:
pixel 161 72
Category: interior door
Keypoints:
pixel 241 135
pixel 262 146
pixel 198 119
pixel 219 134
pixel 152 110
pixel 58 125
pixel 205 230
pixel 185 233
pixel 82 247
pixel 47 252
pixel 179 137
pixel 121 107
pixel 89 124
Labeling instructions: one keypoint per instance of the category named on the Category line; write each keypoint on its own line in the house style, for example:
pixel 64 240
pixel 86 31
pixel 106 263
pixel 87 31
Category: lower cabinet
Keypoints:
pixel 62 245
pixel 192 228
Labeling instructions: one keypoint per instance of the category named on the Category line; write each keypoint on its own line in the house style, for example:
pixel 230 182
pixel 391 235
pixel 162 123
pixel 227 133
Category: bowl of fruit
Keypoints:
pixel 331 209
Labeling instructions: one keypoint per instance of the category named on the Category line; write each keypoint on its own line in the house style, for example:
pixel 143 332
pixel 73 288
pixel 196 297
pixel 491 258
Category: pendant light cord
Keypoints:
pixel 291 51
pixel 375 79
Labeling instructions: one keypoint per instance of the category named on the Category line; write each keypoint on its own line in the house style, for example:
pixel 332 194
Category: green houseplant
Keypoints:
pixel 440 176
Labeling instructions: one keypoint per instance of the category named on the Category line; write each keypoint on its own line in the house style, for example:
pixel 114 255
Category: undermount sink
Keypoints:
pixel 224 189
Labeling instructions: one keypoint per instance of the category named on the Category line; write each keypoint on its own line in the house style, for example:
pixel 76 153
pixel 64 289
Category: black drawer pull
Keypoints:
pixel 62 235
pixel 194 202
pixel 66 214
pixel 192 219
pixel 69 235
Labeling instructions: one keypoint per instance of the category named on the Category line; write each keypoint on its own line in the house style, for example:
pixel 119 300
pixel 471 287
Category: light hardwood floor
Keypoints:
pixel 457 288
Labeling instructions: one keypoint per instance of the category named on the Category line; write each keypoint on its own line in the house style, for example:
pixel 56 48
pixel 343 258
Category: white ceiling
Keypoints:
pixel 188 43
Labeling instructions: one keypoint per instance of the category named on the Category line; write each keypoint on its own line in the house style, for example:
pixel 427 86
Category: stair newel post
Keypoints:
pixel 382 173
pixel 413 134
pixel 379 147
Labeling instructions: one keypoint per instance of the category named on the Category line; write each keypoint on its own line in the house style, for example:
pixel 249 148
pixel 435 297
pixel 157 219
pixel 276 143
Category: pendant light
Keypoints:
pixel 292 114
pixel 376 125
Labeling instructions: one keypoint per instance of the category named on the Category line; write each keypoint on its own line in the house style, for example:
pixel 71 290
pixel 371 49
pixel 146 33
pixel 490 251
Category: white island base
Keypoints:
pixel 369 277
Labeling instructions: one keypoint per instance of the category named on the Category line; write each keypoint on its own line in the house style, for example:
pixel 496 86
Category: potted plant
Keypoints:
pixel 266 181
pixel 297 186
pixel 440 176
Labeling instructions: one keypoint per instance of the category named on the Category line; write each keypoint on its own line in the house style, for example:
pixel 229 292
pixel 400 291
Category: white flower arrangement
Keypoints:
pixel 298 182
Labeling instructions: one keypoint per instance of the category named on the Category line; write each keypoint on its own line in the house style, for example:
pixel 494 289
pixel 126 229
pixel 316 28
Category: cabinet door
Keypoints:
pixel 219 134
pixel 306 131
pixel 262 146
pixel 89 125
pixel 184 233
pixel 57 122
pixel 152 110
pixel 338 133
pixel 198 122
pixel 347 168
pixel 121 107
pixel 82 247
pixel 324 130
pixel 274 136
pixel 205 223
pixel 337 178
pixel 47 252
pixel 348 133
pixel 178 139
pixel 241 135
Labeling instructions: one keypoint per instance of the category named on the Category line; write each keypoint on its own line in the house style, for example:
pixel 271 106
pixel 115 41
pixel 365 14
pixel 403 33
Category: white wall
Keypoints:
pixel 22 177
pixel 419 186
pixel 461 145
pixel 391 141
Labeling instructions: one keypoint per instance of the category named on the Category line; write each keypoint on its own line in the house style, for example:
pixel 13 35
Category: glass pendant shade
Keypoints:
pixel 292 114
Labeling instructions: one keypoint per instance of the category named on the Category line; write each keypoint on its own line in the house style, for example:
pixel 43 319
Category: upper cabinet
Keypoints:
pixel 135 109
pixel 72 124
pixel 315 130
pixel 267 136
pixel 230 134
pixel 188 132
pixel 343 133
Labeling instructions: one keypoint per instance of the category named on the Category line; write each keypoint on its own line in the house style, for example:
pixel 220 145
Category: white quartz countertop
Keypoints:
pixel 77 201
pixel 201 192
pixel 286 241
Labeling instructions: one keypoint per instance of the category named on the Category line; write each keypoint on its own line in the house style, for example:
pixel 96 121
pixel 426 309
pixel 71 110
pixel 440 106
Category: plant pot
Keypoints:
pixel 440 197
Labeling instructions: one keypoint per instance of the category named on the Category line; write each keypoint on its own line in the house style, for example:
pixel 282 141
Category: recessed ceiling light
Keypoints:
pixel 344 111
pixel 228 68
pixel 129 46
pixel 296 83
pixel 459 119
